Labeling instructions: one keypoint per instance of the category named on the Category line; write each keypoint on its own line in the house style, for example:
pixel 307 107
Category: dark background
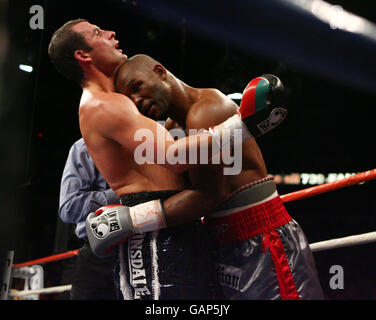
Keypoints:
pixel 330 126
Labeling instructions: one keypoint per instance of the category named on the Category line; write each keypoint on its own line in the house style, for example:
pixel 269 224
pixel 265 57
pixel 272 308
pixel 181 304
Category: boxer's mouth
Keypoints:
pixel 151 110
pixel 148 108
pixel 117 47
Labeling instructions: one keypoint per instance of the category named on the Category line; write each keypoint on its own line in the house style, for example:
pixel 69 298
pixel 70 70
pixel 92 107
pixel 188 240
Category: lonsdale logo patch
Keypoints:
pixel 106 223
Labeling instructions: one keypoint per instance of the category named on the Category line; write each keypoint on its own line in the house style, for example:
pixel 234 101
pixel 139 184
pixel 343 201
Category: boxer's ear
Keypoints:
pixel 82 56
pixel 160 71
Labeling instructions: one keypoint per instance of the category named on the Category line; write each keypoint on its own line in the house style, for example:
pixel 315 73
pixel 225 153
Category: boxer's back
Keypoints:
pixel 115 162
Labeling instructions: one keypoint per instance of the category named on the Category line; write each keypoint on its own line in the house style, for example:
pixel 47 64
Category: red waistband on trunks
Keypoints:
pixel 248 223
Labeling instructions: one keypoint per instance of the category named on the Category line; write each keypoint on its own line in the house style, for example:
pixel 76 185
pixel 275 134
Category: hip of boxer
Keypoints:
pixel 251 210
pixel 259 251
pixel 168 264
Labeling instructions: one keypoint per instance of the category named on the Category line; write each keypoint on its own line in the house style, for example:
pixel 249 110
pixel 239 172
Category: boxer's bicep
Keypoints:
pixel 209 113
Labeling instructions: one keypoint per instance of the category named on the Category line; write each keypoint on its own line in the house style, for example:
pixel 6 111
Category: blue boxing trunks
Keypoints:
pixel 259 251
pixel 168 264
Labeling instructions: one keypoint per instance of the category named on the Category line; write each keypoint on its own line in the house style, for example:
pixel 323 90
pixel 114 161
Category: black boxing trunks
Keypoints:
pixel 259 251
pixel 168 264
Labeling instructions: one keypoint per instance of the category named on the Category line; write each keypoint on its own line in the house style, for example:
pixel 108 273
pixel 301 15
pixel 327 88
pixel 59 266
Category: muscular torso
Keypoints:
pixel 115 162
pixel 211 109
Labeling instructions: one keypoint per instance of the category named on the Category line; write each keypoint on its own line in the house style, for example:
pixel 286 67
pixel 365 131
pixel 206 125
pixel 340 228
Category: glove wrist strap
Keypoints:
pixel 232 131
pixel 148 216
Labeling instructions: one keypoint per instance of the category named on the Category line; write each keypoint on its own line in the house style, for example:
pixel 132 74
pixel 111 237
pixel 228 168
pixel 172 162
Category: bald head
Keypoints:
pixel 142 61
pixel 140 64
pixel 145 81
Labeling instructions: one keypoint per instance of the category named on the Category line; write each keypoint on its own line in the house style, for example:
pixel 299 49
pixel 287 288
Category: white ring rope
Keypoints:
pixel 344 242
pixel 59 289
pixel 315 247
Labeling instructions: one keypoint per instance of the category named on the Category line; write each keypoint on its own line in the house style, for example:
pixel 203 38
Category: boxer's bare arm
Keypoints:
pixel 189 205
pixel 209 184
pixel 207 180
pixel 117 118
pixel 171 124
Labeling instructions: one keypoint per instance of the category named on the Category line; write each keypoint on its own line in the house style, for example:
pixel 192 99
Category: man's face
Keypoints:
pixel 105 53
pixel 146 89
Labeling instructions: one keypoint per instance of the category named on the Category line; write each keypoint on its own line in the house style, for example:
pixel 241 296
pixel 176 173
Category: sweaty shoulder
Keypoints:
pixel 95 104
pixel 211 108
pixel 104 114
pixel 96 99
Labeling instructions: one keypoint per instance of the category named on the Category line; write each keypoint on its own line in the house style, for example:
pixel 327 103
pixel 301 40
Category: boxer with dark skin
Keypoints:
pixel 158 93
pixel 240 236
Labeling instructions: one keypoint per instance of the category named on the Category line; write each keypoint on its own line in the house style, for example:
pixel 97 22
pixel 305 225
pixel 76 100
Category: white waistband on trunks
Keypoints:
pixel 227 212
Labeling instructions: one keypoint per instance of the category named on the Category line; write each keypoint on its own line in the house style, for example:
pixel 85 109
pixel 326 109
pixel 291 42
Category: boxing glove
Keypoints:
pixel 113 224
pixel 263 105
pixel 263 108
